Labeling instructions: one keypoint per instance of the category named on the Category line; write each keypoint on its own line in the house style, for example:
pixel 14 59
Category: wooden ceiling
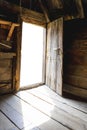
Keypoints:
pixel 51 9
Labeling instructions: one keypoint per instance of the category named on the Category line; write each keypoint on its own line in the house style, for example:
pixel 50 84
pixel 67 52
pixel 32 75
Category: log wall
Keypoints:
pixel 75 57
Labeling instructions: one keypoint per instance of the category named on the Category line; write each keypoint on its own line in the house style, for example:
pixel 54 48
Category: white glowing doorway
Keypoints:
pixel 32 55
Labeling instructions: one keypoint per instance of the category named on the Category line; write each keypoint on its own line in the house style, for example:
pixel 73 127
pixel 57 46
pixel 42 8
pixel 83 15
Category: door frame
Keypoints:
pixel 18 60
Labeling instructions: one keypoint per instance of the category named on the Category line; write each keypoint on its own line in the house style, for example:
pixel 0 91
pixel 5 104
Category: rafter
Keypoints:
pixel 13 25
pixel 44 11
pixel 80 8
pixel 10 32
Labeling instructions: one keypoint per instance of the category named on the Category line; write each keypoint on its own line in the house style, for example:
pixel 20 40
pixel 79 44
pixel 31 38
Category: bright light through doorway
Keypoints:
pixel 31 55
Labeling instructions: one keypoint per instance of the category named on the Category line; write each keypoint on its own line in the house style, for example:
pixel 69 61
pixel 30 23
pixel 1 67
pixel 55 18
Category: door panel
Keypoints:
pixel 54 55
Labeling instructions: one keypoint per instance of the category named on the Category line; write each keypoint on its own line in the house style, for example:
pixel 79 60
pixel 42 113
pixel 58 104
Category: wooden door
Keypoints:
pixel 54 55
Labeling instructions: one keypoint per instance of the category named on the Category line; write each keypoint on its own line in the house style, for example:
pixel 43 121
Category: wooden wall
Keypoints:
pixel 7 60
pixel 75 57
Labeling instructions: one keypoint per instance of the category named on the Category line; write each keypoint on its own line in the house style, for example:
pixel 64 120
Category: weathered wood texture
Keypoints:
pixel 74 9
pixel 26 14
pixel 41 109
pixel 45 11
pixel 18 60
pixel 75 90
pixel 10 32
pixel 70 9
pixel 6 124
pixel 5 75
pixel 54 55
pixel 75 57
pixel 80 9
pixel 6 59
pixel 7 72
pixel 4 22
pixel 55 4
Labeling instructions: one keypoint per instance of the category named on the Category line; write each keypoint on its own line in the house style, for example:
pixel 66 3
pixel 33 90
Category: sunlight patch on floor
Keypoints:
pixel 33 116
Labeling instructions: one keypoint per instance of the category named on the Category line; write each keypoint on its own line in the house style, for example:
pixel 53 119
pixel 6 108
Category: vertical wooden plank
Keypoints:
pixel 48 55
pixel 44 57
pixel 13 72
pixel 18 61
pixel 54 55
pixel 60 58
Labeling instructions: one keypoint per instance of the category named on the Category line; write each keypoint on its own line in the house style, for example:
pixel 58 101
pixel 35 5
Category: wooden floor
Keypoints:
pixel 41 109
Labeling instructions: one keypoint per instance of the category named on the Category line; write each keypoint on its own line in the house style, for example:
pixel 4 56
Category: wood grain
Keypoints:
pixel 75 58
pixel 41 109
pixel 76 91
pixel 52 111
pixel 18 60
pixel 54 59
pixel 27 14
pixel 60 104
pixel 5 123
pixel 77 81
pixel 39 119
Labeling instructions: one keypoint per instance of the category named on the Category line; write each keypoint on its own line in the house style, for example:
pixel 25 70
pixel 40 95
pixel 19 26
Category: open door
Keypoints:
pixel 54 56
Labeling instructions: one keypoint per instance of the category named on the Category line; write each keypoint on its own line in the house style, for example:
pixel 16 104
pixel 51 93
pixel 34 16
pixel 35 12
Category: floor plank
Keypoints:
pixel 6 124
pixel 68 109
pixel 28 112
pixel 53 112
pixel 41 109
pixel 12 114
pixel 82 106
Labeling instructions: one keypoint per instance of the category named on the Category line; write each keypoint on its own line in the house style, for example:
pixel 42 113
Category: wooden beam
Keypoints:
pixel 7 46
pixel 13 25
pixel 38 18
pixel 18 60
pixel 44 11
pixel 79 8
pixel 55 4
pixel 5 22
pixel 8 23
pixel 10 32
pixel 7 55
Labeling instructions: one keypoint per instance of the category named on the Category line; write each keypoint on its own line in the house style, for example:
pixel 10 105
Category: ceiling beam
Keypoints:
pixel 79 8
pixel 13 25
pixel 4 22
pixel 45 11
pixel 25 13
